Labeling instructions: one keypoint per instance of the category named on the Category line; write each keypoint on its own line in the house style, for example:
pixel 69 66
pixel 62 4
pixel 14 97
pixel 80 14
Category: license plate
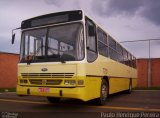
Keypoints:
pixel 43 90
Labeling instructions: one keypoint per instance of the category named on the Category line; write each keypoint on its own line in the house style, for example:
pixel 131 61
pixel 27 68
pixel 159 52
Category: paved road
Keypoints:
pixel 140 102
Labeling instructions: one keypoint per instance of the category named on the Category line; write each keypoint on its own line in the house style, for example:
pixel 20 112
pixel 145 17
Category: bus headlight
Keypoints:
pixel 69 82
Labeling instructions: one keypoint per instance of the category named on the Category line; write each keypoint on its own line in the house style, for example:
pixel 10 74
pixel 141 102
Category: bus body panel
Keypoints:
pixel 90 73
pixel 84 93
pixel 89 90
pixel 119 75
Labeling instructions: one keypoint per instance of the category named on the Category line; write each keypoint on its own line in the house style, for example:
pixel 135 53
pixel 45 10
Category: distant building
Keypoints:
pixel 8 69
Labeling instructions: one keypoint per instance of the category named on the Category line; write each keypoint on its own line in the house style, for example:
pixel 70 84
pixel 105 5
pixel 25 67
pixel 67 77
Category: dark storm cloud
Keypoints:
pixel 149 9
pixel 152 10
pixel 125 6
pixel 116 7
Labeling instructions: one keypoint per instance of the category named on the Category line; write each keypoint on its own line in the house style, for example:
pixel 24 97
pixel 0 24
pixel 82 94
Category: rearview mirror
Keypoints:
pixel 91 31
pixel 13 38
pixel 13 34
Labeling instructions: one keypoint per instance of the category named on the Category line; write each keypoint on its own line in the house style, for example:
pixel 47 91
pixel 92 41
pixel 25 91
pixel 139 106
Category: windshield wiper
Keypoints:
pixel 62 60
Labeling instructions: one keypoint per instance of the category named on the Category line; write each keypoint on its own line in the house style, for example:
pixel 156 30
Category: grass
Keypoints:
pixel 147 88
pixel 7 89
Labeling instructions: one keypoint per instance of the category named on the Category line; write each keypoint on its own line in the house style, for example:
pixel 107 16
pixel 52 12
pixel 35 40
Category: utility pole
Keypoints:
pixel 149 65
pixel 149 79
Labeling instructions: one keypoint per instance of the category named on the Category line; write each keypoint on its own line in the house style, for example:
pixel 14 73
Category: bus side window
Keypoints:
pixel 91 41
pixel 112 48
pixel 120 53
pixel 130 59
pixel 125 54
pixel 102 43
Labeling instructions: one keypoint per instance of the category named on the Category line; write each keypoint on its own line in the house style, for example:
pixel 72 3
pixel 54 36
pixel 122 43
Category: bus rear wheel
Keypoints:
pixel 104 93
pixel 53 99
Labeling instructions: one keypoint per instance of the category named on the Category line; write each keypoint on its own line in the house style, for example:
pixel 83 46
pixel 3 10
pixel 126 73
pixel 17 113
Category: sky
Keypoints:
pixel 125 20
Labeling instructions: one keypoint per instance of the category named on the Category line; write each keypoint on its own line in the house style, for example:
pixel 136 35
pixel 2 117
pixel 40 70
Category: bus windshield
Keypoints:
pixel 53 44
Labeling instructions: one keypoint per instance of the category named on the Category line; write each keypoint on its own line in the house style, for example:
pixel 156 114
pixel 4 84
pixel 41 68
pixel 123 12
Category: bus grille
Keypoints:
pixel 45 82
pixel 46 78
pixel 47 75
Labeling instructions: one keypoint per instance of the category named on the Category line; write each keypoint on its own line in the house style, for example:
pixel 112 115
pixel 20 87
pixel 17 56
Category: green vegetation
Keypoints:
pixel 7 89
pixel 147 88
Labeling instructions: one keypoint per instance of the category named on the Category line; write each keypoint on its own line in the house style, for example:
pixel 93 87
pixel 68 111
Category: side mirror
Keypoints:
pixel 13 34
pixel 13 38
pixel 91 31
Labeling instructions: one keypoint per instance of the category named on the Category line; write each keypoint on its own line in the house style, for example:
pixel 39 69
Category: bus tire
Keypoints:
pixel 129 91
pixel 104 93
pixel 53 99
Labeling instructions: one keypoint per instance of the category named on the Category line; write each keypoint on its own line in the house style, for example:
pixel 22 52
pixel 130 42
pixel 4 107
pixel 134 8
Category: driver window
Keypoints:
pixel 91 41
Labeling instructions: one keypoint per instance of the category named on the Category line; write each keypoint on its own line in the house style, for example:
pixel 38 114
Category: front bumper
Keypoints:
pixel 76 92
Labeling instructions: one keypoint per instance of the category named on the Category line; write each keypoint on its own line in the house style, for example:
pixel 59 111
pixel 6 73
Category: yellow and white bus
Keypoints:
pixel 67 55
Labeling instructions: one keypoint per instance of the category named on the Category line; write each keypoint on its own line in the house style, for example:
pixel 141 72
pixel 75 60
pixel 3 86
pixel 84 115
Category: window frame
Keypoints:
pixel 102 33
pixel 96 40
pixel 22 48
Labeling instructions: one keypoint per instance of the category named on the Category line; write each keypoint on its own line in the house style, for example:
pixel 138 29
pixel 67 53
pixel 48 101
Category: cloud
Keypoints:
pixel 123 19
pixel 55 2
pixel 116 7
pixel 6 45
pixel 151 11
pixel 64 4
pixel 148 9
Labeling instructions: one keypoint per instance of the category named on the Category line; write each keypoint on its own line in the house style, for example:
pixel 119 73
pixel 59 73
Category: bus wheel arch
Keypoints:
pixel 108 85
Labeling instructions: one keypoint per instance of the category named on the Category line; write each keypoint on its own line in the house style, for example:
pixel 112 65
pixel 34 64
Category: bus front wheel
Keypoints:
pixel 104 93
